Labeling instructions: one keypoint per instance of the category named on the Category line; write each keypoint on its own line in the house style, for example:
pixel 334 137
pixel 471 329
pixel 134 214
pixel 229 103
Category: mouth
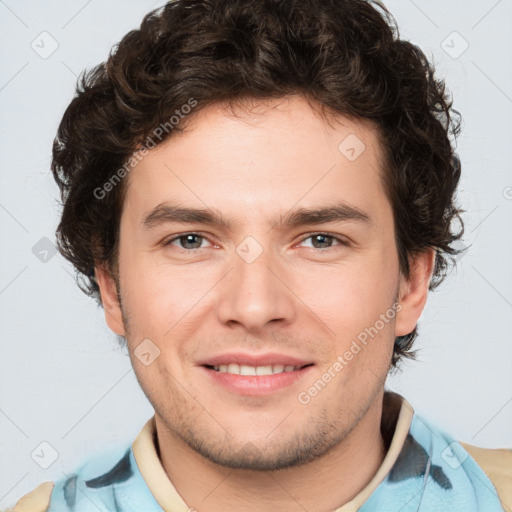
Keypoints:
pixel 256 378
pixel 247 370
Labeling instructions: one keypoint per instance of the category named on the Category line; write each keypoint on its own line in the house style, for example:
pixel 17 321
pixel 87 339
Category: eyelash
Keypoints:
pixel 341 241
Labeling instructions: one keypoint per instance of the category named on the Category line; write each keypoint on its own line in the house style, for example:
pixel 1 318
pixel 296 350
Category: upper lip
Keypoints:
pixel 267 359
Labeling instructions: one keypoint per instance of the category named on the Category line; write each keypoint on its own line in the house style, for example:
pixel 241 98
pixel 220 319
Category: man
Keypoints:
pixel 261 195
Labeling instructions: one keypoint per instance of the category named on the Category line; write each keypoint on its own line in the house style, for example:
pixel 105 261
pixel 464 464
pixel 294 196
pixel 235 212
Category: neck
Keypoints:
pixel 324 484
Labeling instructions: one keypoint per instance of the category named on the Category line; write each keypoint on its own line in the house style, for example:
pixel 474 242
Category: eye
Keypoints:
pixel 324 241
pixel 188 241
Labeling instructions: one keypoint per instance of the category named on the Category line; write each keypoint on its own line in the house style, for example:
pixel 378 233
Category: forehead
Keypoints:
pixel 261 159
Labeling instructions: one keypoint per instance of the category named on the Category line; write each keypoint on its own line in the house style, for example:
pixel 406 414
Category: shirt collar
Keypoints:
pixel 396 421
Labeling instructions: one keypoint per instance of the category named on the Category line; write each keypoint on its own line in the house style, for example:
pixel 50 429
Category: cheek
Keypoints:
pixel 349 297
pixel 159 294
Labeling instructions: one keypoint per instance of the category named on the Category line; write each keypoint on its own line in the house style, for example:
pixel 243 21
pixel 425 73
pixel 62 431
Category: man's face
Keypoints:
pixel 263 292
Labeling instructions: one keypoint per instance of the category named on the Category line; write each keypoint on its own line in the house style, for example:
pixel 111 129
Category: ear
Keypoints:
pixel 110 300
pixel 413 291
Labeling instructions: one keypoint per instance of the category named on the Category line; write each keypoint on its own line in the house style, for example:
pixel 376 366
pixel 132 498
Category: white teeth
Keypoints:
pixel 247 370
pixel 233 368
pixel 243 369
pixel 263 370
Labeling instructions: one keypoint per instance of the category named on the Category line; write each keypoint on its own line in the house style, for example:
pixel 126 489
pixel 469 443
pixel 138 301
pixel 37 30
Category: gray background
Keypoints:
pixel 63 378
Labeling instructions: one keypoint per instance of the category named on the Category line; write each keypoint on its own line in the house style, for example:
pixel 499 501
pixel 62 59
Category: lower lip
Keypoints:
pixel 256 385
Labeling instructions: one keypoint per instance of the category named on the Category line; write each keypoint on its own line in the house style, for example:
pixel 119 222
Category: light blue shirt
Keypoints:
pixel 433 473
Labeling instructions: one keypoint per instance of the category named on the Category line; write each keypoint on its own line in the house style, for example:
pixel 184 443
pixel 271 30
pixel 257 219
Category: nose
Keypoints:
pixel 256 293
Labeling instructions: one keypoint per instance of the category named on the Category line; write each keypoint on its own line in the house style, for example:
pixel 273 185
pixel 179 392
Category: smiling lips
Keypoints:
pixel 255 375
pixel 246 364
pixel 243 369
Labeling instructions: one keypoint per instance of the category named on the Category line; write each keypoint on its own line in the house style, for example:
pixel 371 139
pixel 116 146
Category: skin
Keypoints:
pixel 255 453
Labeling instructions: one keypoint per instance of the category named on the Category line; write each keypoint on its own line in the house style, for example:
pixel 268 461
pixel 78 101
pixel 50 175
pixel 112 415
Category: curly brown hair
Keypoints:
pixel 345 55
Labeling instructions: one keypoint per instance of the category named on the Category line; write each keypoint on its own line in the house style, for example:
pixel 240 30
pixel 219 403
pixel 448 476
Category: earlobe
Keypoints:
pixel 110 300
pixel 414 291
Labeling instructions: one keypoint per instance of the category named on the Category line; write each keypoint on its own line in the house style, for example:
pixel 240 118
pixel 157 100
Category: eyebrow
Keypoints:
pixel 340 212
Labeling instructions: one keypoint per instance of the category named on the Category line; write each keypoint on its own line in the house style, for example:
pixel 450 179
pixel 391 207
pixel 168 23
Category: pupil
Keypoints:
pixel 321 237
pixel 189 239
